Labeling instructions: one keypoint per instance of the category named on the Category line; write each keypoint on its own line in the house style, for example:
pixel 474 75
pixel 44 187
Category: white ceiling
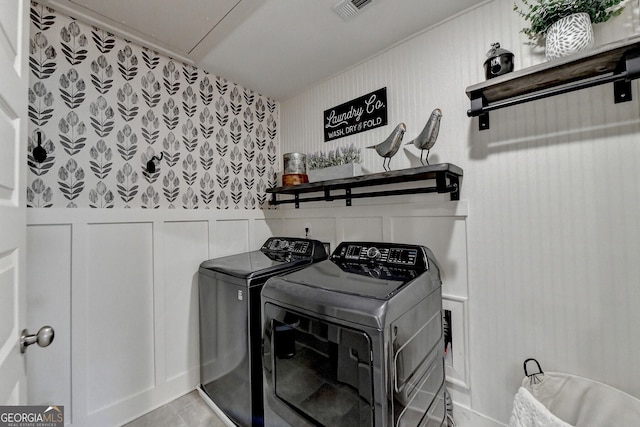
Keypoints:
pixel 275 47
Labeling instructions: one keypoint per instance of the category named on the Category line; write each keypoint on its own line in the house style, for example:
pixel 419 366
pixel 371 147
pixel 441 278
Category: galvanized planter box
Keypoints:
pixel 335 172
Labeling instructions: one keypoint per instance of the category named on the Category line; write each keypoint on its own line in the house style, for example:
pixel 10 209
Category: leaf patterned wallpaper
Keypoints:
pixel 103 107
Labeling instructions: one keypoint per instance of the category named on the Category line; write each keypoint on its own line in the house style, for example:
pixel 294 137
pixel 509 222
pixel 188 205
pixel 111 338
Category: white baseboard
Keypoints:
pixel 467 417
pixel 215 407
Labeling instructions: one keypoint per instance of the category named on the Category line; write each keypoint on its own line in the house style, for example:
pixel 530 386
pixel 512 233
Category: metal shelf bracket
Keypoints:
pixel 622 88
pixel 617 63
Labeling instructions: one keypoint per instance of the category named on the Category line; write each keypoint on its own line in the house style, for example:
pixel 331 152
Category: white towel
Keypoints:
pixel 529 412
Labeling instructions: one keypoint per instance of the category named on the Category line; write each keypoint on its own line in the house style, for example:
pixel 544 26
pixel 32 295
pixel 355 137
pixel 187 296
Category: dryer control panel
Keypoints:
pixel 409 256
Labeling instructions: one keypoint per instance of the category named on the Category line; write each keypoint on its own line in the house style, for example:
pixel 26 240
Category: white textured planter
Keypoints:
pixel 569 35
pixel 335 172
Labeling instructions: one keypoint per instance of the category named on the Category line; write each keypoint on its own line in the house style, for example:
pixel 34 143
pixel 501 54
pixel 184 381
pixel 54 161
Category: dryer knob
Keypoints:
pixel 373 253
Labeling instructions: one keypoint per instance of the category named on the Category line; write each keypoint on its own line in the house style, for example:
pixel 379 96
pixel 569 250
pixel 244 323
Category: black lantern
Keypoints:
pixel 499 61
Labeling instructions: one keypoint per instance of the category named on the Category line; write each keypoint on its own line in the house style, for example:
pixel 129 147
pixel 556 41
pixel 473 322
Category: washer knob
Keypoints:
pixel 373 253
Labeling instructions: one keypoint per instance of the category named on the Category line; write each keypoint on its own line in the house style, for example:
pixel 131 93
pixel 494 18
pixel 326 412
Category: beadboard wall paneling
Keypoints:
pixel 105 106
pixel 554 229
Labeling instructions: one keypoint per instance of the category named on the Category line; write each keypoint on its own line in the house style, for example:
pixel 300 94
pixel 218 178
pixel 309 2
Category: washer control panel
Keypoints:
pixel 379 253
pixel 294 246
pixel 284 244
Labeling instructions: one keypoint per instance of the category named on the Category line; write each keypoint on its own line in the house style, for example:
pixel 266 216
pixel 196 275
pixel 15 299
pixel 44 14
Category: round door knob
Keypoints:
pixel 44 337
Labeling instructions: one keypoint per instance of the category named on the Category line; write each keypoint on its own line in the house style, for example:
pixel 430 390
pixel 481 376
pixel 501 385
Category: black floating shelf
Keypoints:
pixel 448 179
pixel 617 63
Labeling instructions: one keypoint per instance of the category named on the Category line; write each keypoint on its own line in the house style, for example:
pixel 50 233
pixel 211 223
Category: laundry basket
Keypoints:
pixel 555 399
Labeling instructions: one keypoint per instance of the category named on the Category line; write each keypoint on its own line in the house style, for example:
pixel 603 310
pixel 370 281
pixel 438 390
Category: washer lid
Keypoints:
pixel 277 255
pixel 254 264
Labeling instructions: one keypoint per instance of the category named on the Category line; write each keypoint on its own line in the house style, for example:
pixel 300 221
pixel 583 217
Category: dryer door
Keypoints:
pixel 320 370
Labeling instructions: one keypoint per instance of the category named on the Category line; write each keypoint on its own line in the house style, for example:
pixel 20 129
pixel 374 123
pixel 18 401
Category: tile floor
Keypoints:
pixel 186 411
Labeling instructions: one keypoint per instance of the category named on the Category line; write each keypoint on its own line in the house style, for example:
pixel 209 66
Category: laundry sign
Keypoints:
pixel 358 115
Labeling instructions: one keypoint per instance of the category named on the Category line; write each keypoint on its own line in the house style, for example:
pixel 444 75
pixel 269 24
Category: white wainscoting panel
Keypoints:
pixel 263 228
pixel 120 312
pixel 439 225
pixel 130 277
pixel 49 297
pixel 231 236
pixel 185 246
pixel 353 228
pixel 447 239
pixel 126 280
pixel 442 223
pixel 322 228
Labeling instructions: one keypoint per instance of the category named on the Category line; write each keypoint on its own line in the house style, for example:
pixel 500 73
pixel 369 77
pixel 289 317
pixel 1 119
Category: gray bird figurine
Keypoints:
pixel 427 138
pixel 389 147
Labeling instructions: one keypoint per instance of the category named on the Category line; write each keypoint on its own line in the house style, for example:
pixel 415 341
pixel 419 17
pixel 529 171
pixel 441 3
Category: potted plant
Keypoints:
pixel 565 25
pixel 339 163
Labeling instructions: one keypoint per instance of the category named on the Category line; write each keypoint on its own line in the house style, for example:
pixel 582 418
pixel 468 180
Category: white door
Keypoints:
pixel 14 84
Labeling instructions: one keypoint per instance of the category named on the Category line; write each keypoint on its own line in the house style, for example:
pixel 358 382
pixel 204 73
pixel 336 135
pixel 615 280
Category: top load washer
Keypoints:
pixel 356 340
pixel 230 329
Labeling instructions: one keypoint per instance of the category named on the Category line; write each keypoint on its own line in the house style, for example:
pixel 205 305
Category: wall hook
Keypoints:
pixel 533 378
pixel 39 153
pixel 151 164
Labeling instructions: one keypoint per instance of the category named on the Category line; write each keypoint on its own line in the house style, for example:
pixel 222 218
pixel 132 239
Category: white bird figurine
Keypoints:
pixel 427 138
pixel 389 147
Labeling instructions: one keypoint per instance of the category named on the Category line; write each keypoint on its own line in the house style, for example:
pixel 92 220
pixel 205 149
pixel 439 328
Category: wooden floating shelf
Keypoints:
pixel 448 179
pixel 617 63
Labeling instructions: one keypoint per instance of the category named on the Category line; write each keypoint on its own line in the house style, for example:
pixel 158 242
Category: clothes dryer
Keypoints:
pixel 356 340
pixel 230 328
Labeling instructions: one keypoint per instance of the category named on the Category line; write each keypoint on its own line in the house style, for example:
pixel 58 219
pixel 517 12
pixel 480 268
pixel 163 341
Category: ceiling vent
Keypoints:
pixel 347 9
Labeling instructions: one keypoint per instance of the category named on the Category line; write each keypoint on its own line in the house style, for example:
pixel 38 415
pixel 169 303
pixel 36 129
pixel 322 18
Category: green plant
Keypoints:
pixel 346 155
pixel 541 14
